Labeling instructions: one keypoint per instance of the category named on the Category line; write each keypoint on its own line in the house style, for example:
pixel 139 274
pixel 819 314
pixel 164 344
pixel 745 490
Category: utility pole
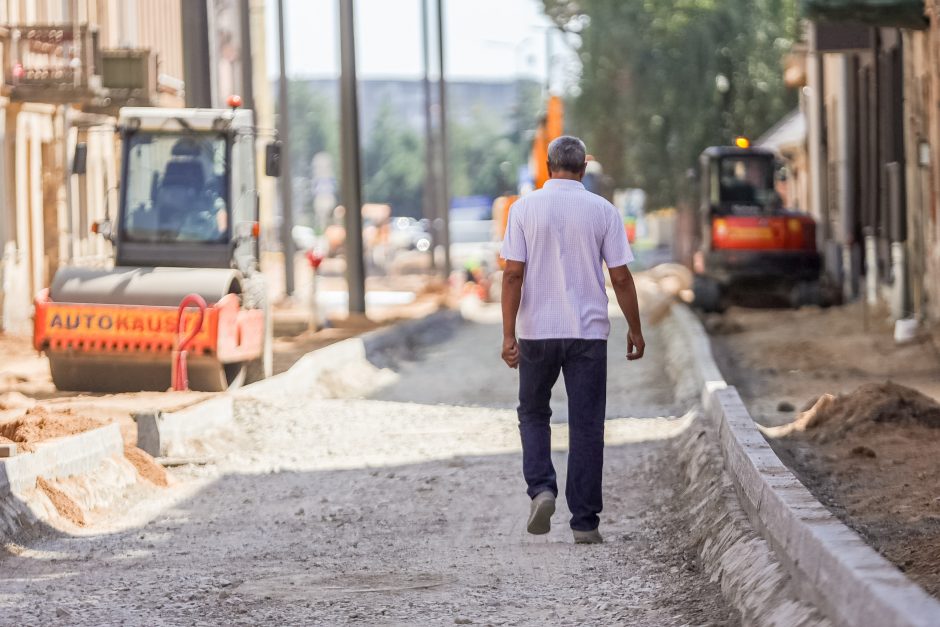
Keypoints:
pixel 287 203
pixel 248 85
pixel 549 56
pixel 430 202
pixel 196 54
pixel 444 159
pixel 352 174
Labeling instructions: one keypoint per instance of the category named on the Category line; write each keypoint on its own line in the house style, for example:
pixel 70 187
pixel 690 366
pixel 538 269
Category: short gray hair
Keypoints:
pixel 567 154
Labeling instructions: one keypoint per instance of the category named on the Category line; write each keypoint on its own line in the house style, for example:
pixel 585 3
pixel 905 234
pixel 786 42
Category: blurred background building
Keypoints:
pixel 66 67
pixel 869 81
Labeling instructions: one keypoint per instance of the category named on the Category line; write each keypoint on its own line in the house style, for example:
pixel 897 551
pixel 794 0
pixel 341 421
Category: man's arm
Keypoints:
pixel 625 289
pixel 512 296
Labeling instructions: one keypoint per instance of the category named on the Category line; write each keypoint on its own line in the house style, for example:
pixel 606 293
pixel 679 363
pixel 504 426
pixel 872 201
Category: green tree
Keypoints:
pixel 393 165
pixel 484 158
pixel 663 79
pixel 314 127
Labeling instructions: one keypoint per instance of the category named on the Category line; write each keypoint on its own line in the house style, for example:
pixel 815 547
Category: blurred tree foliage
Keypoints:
pixel 486 152
pixel 663 79
pixel 393 165
pixel 314 127
pixel 483 159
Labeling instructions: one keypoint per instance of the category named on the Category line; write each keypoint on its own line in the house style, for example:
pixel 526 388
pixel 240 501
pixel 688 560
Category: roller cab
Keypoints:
pixel 187 223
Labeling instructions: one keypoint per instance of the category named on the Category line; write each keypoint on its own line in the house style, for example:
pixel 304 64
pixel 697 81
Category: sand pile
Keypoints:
pixel 830 417
pixel 62 502
pixel 147 467
pixel 39 423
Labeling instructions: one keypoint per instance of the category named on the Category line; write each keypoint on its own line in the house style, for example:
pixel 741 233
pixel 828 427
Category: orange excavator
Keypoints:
pixel 749 244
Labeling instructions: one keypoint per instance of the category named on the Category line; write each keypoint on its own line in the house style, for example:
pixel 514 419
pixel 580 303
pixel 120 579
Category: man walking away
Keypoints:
pixel 556 243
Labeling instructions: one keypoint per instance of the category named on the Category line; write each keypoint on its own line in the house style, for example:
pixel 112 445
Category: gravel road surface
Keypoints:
pixel 404 507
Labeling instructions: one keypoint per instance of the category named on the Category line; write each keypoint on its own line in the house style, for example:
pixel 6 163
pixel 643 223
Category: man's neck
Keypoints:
pixel 568 176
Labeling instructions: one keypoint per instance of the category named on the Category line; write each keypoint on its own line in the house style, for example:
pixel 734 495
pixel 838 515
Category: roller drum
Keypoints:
pixel 146 287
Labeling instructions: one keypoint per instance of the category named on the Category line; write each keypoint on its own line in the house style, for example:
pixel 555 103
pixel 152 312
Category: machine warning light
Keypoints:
pixel 742 142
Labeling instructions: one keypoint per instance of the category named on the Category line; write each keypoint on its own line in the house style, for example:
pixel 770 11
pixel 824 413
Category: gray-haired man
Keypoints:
pixel 556 243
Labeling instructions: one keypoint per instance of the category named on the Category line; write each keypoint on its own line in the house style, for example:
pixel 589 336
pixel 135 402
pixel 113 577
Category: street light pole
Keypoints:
pixel 287 204
pixel 352 174
pixel 248 85
pixel 430 214
pixel 444 159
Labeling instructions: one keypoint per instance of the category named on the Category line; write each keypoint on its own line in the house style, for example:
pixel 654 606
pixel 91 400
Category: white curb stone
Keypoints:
pixel 846 578
pixel 62 457
pixel 162 434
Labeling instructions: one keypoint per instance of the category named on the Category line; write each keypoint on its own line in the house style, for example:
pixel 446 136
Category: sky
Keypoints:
pixel 486 40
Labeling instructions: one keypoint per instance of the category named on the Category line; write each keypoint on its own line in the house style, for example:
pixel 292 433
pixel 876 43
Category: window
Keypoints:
pixel 746 182
pixel 176 188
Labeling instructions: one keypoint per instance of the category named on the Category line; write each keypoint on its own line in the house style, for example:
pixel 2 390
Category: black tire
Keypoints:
pixel 707 293
pixel 806 293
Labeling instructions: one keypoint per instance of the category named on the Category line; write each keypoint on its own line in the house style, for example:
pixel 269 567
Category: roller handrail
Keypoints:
pixel 180 376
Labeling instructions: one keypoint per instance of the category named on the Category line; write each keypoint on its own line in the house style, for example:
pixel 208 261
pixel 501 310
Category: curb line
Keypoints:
pixel 159 433
pixel 162 434
pixel 367 347
pixel 62 457
pixel 846 578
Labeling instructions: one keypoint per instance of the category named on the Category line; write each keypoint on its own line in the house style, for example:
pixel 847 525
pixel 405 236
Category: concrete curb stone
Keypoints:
pixel 62 457
pixel 163 434
pixel 845 577
pixel 373 346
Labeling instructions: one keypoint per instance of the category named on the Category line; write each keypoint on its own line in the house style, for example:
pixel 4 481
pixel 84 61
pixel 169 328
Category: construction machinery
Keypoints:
pixel 749 245
pixel 187 224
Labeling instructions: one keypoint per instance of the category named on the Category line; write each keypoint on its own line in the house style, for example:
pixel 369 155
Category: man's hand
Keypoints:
pixel 511 352
pixel 636 346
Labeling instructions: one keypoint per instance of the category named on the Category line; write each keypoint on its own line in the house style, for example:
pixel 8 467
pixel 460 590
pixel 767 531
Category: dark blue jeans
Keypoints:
pixel 584 365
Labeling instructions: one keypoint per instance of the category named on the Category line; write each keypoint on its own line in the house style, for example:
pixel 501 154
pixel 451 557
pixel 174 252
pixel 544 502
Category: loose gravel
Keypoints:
pixel 407 507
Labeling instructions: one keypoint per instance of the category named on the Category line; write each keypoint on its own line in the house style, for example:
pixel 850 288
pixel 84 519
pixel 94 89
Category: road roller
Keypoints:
pixel 186 225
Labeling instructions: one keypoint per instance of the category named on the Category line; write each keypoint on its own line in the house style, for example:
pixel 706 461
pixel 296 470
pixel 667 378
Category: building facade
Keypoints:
pixel 66 68
pixel 872 101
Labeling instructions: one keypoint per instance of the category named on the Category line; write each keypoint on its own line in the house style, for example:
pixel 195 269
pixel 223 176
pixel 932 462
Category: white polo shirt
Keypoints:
pixel 564 233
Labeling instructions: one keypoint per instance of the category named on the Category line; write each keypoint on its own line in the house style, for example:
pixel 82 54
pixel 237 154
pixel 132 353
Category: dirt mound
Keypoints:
pixel 63 504
pixel 146 466
pixel 40 423
pixel 833 417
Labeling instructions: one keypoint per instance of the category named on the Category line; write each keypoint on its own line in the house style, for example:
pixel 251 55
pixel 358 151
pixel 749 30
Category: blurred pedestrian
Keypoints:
pixel 556 243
